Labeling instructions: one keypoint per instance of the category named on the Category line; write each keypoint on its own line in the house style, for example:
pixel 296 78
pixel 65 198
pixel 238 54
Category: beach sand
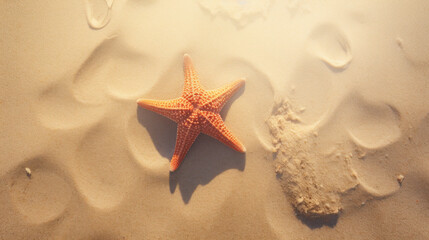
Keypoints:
pixel 334 116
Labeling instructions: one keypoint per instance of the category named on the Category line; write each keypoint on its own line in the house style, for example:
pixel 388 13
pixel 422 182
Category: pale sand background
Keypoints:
pixel 335 108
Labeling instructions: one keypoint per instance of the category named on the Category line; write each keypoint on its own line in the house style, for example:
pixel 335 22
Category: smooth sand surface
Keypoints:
pixel 334 115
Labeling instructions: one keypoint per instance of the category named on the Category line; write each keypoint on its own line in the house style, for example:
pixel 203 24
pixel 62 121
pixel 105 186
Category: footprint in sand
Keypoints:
pixel 331 45
pixel 372 125
pixel 102 167
pixel 113 70
pixel 241 11
pixel 38 191
pixel 58 109
pixel 374 128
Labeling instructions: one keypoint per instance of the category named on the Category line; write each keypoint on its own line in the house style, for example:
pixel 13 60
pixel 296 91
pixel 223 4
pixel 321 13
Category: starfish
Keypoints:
pixel 195 112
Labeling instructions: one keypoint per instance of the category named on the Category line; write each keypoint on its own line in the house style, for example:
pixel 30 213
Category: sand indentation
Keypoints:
pixel 372 174
pixel 367 128
pixel 57 109
pixel 241 11
pixel 38 192
pixel 98 13
pixel 114 70
pixel 371 125
pixel 102 167
pixel 331 45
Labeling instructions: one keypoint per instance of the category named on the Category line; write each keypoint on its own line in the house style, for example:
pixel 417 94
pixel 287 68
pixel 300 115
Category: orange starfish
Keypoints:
pixel 195 112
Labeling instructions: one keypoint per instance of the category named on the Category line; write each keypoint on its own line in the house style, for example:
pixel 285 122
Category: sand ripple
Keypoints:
pixel 241 11
pixel 331 45
pixel 38 191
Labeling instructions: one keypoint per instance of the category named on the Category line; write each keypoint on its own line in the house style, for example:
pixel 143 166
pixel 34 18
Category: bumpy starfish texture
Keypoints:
pixel 195 112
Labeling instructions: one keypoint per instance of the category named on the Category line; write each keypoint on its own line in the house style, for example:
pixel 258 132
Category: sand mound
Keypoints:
pixel 339 159
pixel 314 183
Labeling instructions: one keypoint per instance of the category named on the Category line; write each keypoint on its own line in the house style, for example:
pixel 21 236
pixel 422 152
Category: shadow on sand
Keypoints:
pixel 206 159
pixel 313 223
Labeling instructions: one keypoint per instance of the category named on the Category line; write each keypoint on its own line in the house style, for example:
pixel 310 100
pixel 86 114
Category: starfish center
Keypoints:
pixel 196 111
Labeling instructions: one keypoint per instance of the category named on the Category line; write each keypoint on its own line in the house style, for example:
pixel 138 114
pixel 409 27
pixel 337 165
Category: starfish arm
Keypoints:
pixel 215 127
pixel 177 109
pixel 192 87
pixel 218 97
pixel 186 135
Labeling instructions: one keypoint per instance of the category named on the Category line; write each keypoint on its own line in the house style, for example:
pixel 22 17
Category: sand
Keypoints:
pixel 334 116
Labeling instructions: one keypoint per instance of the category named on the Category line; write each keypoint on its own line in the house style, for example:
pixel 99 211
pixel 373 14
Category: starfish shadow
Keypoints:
pixel 161 130
pixel 206 159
